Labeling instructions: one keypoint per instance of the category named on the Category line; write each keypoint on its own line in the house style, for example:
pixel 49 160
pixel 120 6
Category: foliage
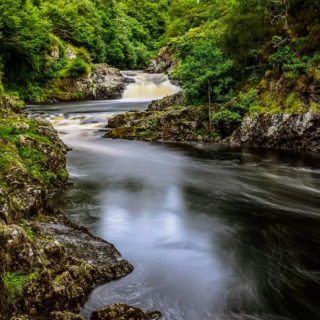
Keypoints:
pixel 245 55
pixel 28 231
pixel 205 73
pixel 226 120
pixel 13 283
pixel 124 34
pixel 76 68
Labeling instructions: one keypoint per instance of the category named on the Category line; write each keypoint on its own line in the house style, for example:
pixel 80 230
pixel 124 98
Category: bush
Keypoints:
pixel 226 121
pixel 78 67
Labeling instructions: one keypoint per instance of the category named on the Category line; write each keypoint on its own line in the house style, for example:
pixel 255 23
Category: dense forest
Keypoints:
pixel 257 54
pixel 124 34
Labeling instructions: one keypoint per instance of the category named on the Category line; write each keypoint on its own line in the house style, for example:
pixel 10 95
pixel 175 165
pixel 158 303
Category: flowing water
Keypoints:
pixel 148 86
pixel 213 231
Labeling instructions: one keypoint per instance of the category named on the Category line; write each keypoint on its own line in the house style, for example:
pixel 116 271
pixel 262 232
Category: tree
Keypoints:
pixel 205 73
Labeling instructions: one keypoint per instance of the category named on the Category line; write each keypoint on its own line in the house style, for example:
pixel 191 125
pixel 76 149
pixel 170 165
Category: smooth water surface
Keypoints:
pixel 214 232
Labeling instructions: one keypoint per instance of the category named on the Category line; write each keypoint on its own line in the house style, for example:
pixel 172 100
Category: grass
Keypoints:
pixel 13 283
pixel 30 159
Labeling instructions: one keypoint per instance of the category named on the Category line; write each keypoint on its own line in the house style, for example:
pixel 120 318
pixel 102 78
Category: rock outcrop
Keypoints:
pixel 163 62
pixel 32 162
pixel 104 82
pixel 64 262
pixel 296 131
pixel 47 264
pixel 121 311
pixel 167 120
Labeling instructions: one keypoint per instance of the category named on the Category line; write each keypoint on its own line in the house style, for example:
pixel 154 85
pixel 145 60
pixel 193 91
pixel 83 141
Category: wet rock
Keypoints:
pixel 25 196
pixel 67 262
pixel 56 262
pixel 297 131
pixel 21 254
pixel 121 311
pixel 107 82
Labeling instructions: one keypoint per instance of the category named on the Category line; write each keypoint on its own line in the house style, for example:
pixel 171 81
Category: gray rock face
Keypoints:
pixel 70 53
pixel 297 131
pixel 107 82
pixel 163 62
pixel 102 83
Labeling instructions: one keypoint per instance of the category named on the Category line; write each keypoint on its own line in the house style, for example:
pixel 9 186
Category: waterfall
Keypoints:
pixel 148 86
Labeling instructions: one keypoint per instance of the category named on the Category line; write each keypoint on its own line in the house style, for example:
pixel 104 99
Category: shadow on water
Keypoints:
pixel 214 232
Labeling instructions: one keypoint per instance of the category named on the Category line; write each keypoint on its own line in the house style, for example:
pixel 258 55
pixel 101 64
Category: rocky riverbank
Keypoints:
pixel 102 83
pixel 168 119
pixel 281 130
pixel 48 265
pixel 163 62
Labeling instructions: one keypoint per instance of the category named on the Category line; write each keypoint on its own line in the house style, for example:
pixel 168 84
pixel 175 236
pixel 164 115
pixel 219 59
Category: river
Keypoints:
pixel 213 231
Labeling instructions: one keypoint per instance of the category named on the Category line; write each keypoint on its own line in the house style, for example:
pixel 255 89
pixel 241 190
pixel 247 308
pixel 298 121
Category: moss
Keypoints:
pixel 13 283
pixel 293 104
pixel 28 231
pixel 315 107
pixel 275 111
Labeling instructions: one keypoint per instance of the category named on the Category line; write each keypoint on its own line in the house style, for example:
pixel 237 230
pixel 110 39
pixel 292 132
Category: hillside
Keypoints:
pixel 242 58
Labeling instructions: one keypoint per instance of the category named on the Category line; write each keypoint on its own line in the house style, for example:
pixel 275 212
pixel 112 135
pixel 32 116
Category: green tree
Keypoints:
pixel 205 73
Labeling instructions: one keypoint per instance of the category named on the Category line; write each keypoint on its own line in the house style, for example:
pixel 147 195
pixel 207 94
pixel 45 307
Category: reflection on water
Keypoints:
pixel 214 232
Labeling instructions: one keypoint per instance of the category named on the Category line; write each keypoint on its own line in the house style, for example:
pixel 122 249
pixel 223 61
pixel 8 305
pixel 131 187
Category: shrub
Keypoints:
pixel 227 121
pixel 78 67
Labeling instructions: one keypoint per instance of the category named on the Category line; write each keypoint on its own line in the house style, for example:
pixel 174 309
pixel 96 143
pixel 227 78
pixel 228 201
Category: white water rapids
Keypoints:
pixel 148 86
pixel 94 115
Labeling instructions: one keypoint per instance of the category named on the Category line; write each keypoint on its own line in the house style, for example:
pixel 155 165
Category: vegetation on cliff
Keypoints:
pixel 253 56
pixel 44 258
pixel 222 48
pixel 43 40
pixel 236 58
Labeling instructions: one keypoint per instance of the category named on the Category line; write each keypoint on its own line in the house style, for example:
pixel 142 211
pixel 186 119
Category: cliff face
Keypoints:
pixel 296 131
pixel 163 62
pixel 104 82
pixel 32 161
pixel 170 119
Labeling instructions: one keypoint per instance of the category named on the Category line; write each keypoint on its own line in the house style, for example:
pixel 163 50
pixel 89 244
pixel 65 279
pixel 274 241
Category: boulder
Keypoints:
pixel 163 62
pixel 167 119
pixel 102 83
